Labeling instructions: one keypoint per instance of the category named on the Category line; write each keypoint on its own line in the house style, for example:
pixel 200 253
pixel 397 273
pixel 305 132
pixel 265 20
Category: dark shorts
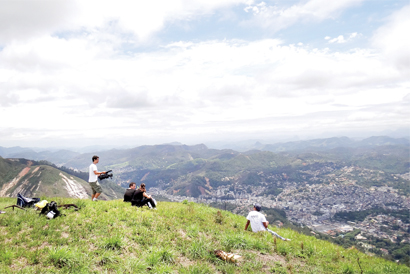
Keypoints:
pixel 96 187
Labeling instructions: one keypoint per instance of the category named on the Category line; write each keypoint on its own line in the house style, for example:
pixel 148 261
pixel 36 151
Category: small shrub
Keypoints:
pixel 283 250
pixel 62 257
pixel 336 256
pixel 193 231
pixel 160 256
pixel 166 256
pixel 34 257
pixel 347 269
pixel 6 256
pixel 197 250
pixel 309 251
pixel 191 207
pixel 113 243
pixel 81 203
pixel 107 258
pixel 219 218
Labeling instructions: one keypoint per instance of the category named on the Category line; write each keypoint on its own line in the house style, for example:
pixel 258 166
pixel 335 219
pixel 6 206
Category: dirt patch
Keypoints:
pixel 207 183
pixel 19 264
pixel 24 230
pixel 3 231
pixel 202 190
pixel 42 246
pixel 24 171
pixel 144 177
pixel 267 258
pixel 183 234
pixel 65 235
pixel 35 170
pixel 184 261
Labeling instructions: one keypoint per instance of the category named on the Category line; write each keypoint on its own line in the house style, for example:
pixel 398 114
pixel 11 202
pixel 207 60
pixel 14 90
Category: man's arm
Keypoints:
pixel 265 224
pixel 247 224
pixel 98 173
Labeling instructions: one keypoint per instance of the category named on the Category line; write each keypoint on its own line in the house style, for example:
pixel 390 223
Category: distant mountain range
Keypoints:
pixel 317 144
pixel 197 170
pixel 73 158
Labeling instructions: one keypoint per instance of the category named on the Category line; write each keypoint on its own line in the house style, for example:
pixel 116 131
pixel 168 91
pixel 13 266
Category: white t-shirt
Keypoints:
pixel 91 175
pixel 257 219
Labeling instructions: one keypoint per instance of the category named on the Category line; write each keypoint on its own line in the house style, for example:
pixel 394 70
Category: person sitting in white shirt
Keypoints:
pixel 259 223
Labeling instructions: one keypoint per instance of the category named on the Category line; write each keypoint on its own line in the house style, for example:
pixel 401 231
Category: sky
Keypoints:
pixel 124 73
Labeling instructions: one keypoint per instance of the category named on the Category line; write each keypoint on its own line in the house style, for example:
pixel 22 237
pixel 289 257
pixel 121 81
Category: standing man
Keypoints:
pixel 93 178
pixel 259 223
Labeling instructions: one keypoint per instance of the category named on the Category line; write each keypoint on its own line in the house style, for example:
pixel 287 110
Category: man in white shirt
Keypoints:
pixel 93 178
pixel 259 223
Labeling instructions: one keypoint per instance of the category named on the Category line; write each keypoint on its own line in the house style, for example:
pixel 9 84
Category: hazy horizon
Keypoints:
pixel 218 144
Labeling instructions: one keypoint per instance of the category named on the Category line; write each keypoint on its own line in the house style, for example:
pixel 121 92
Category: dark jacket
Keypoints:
pixel 129 193
pixel 138 196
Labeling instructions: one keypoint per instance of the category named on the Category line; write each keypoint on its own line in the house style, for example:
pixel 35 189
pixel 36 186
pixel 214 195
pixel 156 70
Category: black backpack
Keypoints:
pixel 51 211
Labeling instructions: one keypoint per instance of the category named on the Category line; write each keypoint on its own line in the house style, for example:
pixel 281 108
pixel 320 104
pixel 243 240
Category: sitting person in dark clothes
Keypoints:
pixel 130 192
pixel 141 198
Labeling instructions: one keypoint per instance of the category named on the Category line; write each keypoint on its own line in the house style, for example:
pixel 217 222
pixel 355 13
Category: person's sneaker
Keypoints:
pixel 288 240
pixel 95 200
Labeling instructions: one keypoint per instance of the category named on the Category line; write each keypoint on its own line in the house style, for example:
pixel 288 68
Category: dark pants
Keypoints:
pixel 145 201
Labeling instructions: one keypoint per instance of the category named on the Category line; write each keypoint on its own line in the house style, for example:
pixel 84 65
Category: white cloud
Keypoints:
pixel 341 39
pixel 393 39
pixel 212 86
pixel 25 19
pixel 277 18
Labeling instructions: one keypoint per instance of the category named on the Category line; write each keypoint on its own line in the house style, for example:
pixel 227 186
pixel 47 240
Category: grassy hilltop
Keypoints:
pixel 113 237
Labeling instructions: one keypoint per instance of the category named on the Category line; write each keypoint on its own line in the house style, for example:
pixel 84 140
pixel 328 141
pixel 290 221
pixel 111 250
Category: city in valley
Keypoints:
pixel 320 206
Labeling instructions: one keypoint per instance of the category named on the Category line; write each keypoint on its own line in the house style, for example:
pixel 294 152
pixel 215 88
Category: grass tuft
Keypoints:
pixel 113 243
pixel 62 257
